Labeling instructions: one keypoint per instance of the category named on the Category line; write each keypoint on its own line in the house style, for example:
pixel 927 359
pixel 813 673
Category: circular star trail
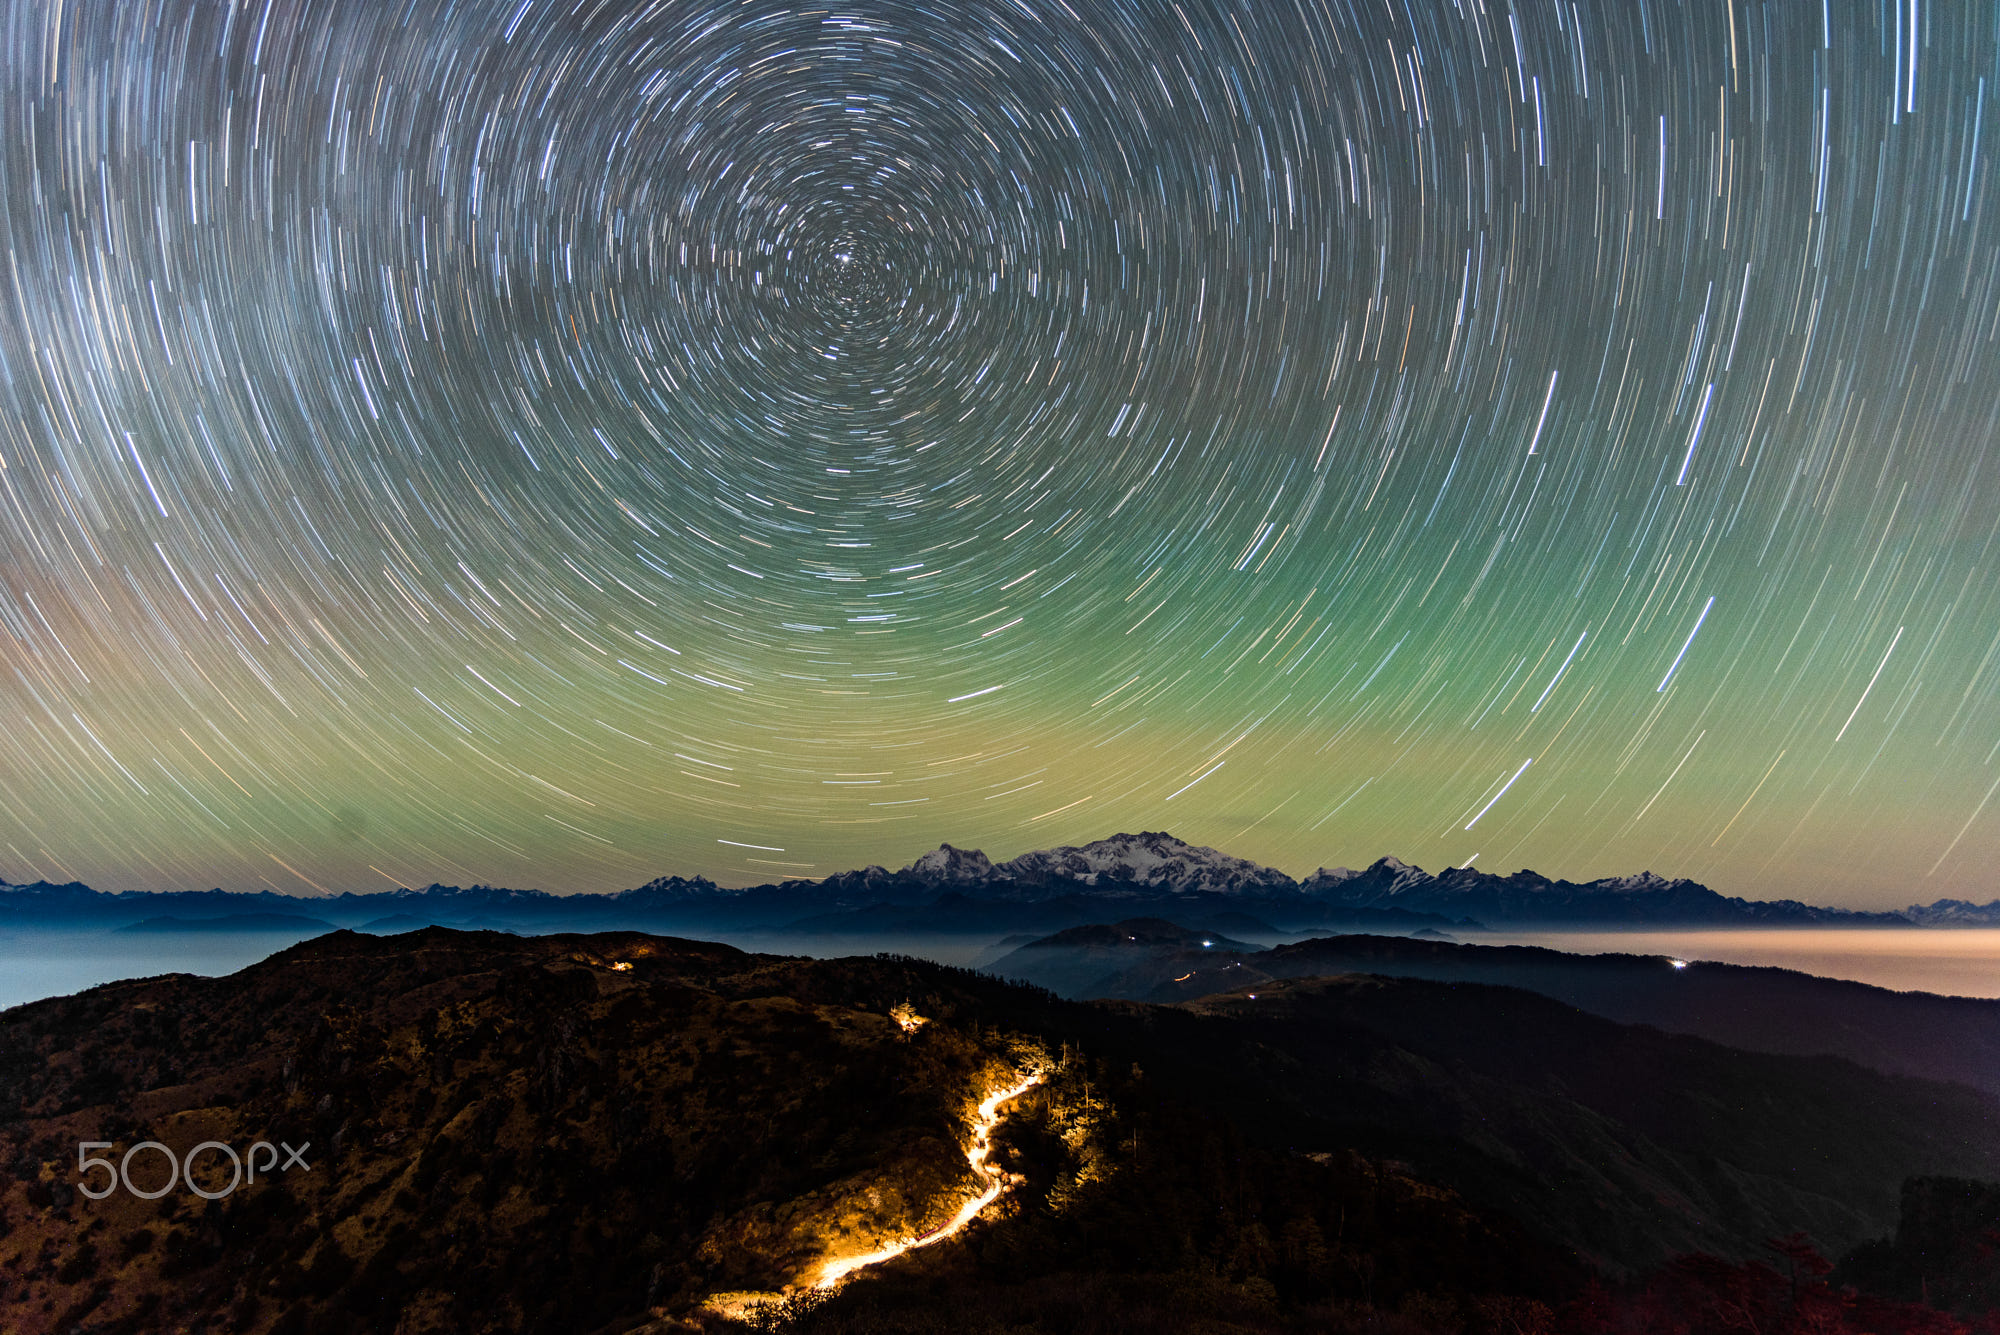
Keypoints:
pixel 561 444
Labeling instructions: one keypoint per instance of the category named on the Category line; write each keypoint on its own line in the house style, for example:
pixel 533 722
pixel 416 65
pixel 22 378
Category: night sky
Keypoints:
pixel 560 444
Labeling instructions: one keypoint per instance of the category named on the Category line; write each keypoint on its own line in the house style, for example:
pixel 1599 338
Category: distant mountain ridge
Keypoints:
pixel 952 889
pixel 1756 1008
pixel 1529 897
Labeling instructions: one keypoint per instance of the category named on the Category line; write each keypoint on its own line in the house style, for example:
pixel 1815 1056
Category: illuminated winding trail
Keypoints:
pixel 840 1267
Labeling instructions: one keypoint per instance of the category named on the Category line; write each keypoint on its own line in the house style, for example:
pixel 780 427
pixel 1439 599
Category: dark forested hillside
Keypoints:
pixel 579 1133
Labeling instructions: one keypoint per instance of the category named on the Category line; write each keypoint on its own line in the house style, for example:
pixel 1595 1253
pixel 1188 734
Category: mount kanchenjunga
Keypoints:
pixel 1125 866
pixel 1139 865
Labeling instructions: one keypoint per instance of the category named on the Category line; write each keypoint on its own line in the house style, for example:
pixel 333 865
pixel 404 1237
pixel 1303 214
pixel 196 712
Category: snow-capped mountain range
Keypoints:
pixel 1155 862
pixel 956 889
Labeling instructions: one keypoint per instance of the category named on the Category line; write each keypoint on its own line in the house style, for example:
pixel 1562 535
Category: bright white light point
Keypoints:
pixel 1684 648
pixel 1502 793
pixel 1678 964
pixel 1558 677
pixel 1178 791
pixel 1871 685
pixel 1694 438
pixel 1547 399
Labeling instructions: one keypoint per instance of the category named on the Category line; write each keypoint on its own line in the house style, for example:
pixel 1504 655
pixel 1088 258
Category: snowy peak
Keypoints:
pixel 481 894
pixel 947 865
pixel 668 889
pixel 1643 883
pixel 1384 879
pixel 46 892
pixel 1401 875
pixel 1151 860
pixel 1955 913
